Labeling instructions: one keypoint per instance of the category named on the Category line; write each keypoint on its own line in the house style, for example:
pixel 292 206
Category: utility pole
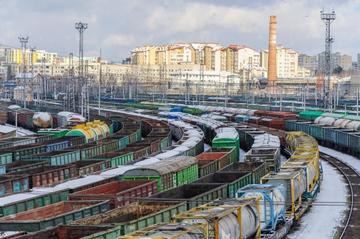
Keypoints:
pixel 32 50
pixel 327 18
pixel 24 41
pixel 100 74
pixel 81 27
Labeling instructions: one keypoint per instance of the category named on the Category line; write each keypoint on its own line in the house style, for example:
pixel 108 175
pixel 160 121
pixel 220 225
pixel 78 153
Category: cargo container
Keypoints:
pixel 271 157
pixel 122 140
pixel 52 215
pixel 278 114
pixel 57 144
pixel 354 138
pixel 21 166
pixel 342 137
pixel 291 125
pixel 211 162
pixel 233 180
pixel 63 232
pixel 139 152
pixel 132 217
pixel 194 194
pixel 309 173
pixel 21 202
pixel 167 231
pixel 88 167
pixel 58 158
pixel 6 157
pixel 24 151
pixel 227 138
pixel 16 141
pixel 276 123
pixel 168 173
pixel 225 218
pixel 119 193
pixel 310 115
pixel 116 158
pixel 48 175
pixel 13 184
pixel 56 133
pixel 294 183
pixel 257 169
pixel 272 203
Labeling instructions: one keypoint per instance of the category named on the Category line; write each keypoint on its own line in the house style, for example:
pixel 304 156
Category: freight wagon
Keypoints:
pixel 132 217
pixel 169 231
pixel 119 193
pixel 62 232
pixel 10 184
pixel 168 173
pixel 116 158
pixel 52 215
pixel 194 194
pixel 227 138
pixel 20 202
pixel 57 158
pixel 210 162
pixel 233 180
pixel 224 219
pixel 21 166
pixel 48 175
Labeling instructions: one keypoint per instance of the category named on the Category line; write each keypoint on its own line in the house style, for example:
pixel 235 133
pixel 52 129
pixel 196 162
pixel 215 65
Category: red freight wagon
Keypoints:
pixel 118 192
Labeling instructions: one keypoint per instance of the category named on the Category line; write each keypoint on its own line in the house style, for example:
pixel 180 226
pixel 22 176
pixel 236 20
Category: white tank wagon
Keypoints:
pixel 272 203
pixel 68 118
pixel 43 119
pixel 308 170
pixel 229 218
pixel 294 182
pixel 168 231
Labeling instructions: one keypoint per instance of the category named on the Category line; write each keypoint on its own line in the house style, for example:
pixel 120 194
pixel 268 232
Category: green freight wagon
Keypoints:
pixel 38 219
pixel 123 141
pixel 194 194
pixel 233 180
pixel 310 115
pixel 24 151
pixel 257 169
pixel 6 158
pixel 168 173
pixel 21 202
pixel 56 133
pixel 116 158
pixel 142 214
pixel 58 157
pixel 227 137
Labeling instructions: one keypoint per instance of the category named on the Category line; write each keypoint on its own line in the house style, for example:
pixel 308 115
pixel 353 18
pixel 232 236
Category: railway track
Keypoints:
pixel 351 228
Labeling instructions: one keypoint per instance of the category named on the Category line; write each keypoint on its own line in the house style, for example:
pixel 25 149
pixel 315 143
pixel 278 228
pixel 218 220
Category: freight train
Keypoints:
pixel 223 184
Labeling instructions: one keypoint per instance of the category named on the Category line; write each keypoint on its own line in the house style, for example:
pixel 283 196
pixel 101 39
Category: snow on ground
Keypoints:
pixel 20 131
pixel 350 160
pixel 207 148
pixel 242 155
pixel 320 221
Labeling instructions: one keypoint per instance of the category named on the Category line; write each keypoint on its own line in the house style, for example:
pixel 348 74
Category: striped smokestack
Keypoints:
pixel 272 75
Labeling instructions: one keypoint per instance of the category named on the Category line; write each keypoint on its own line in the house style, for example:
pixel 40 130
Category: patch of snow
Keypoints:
pixel 207 148
pixel 321 220
pixel 350 160
pixel 242 155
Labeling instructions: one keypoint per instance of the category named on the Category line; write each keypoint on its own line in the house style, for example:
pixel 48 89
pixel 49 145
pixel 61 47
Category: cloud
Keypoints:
pixel 118 40
pixel 117 26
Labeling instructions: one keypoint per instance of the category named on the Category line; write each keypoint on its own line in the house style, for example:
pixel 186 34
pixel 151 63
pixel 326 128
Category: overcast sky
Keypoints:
pixel 117 26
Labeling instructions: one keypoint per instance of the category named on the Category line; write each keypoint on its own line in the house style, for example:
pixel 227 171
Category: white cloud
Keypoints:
pixel 118 40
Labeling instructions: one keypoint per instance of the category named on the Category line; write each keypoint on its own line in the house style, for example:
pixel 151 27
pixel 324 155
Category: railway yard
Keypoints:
pixel 141 171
